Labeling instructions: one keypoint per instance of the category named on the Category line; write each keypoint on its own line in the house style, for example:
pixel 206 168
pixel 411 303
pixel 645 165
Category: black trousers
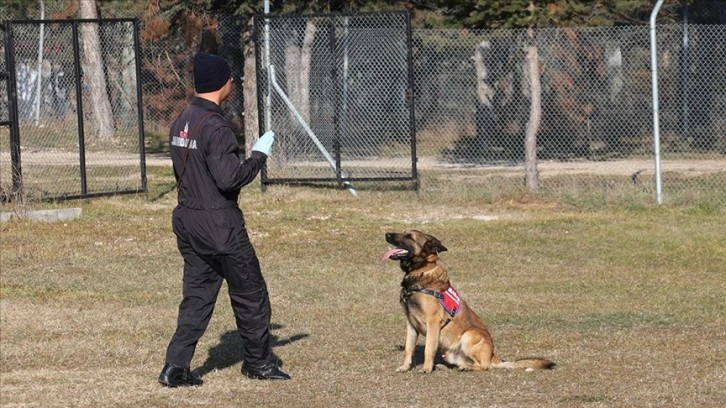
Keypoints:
pixel 215 246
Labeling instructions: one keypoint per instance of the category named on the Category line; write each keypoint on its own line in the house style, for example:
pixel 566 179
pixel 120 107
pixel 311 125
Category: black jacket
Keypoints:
pixel 205 154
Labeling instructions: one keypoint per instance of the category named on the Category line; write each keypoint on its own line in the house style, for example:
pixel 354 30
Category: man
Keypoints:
pixel 210 229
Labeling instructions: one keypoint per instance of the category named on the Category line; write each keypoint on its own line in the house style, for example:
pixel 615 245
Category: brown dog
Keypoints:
pixel 433 308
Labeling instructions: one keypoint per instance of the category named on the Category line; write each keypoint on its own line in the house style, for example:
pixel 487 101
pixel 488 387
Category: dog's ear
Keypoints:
pixel 434 246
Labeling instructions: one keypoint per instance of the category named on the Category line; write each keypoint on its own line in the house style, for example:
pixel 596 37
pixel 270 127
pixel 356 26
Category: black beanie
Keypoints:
pixel 211 72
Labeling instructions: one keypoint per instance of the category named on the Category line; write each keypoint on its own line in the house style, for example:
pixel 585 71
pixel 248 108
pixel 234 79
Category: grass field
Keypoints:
pixel 628 301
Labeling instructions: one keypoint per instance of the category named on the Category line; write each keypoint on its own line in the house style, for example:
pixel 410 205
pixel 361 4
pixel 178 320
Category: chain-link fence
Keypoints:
pixel 340 97
pixel 471 94
pixel 76 110
pixel 595 141
pixel 473 106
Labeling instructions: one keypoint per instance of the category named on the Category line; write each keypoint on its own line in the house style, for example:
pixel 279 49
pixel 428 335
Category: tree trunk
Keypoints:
pixel 484 91
pixel 251 114
pixel 297 71
pixel 292 75
pixel 305 66
pixel 535 117
pixel 485 125
pixel 297 78
pixel 102 115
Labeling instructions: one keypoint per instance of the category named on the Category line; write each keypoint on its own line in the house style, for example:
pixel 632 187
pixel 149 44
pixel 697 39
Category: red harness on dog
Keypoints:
pixel 449 299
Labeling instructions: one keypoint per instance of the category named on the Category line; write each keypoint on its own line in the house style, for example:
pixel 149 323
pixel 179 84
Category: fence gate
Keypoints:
pixel 57 142
pixel 337 92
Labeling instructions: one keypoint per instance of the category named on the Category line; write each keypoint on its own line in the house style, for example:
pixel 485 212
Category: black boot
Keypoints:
pixel 267 371
pixel 175 376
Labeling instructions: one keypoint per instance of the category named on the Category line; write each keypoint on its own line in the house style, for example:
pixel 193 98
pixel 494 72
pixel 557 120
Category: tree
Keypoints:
pixel 249 87
pixel 554 13
pixel 535 107
pixel 93 72
pixel 535 115
pixel 485 116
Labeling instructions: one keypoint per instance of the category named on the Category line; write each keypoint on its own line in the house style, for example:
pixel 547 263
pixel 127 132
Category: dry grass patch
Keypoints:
pixel 627 302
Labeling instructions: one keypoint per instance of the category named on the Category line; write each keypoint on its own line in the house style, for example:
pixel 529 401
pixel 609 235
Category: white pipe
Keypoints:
pixel 346 46
pixel 309 131
pixel 656 124
pixel 40 63
pixel 268 95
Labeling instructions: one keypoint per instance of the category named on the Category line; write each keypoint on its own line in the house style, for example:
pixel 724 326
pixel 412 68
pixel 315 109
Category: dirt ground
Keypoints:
pixel 610 167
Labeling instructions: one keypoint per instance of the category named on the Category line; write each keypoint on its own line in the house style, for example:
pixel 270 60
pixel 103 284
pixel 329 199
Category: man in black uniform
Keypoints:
pixel 210 229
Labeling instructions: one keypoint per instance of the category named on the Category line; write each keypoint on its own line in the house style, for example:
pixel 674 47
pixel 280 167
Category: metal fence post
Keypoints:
pixel 15 159
pixel 656 115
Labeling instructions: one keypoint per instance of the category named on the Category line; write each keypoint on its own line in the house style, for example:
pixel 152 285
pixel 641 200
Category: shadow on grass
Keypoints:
pixel 230 351
pixel 418 358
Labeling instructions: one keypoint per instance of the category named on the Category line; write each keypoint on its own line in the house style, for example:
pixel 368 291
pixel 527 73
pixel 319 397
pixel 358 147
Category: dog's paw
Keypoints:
pixel 404 368
pixel 425 370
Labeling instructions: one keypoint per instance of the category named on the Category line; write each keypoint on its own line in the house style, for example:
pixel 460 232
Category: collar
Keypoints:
pixel 207 105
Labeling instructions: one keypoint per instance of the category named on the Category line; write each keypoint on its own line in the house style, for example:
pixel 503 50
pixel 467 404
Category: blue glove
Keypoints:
pixel 264 144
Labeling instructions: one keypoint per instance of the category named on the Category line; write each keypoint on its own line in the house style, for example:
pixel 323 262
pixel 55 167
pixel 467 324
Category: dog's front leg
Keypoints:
pixel 433 330
pixel 411 337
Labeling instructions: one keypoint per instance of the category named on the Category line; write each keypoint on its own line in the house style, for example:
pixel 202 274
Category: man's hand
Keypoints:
pixel 264 144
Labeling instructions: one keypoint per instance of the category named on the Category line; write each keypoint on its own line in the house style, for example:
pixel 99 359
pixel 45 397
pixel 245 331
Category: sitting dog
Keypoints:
pixel 434 308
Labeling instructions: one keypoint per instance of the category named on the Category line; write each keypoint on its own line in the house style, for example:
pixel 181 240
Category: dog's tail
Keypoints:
pixel 528 363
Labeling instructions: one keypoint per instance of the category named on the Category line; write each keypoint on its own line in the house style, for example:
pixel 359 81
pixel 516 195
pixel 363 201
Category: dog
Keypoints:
pixel 434 308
